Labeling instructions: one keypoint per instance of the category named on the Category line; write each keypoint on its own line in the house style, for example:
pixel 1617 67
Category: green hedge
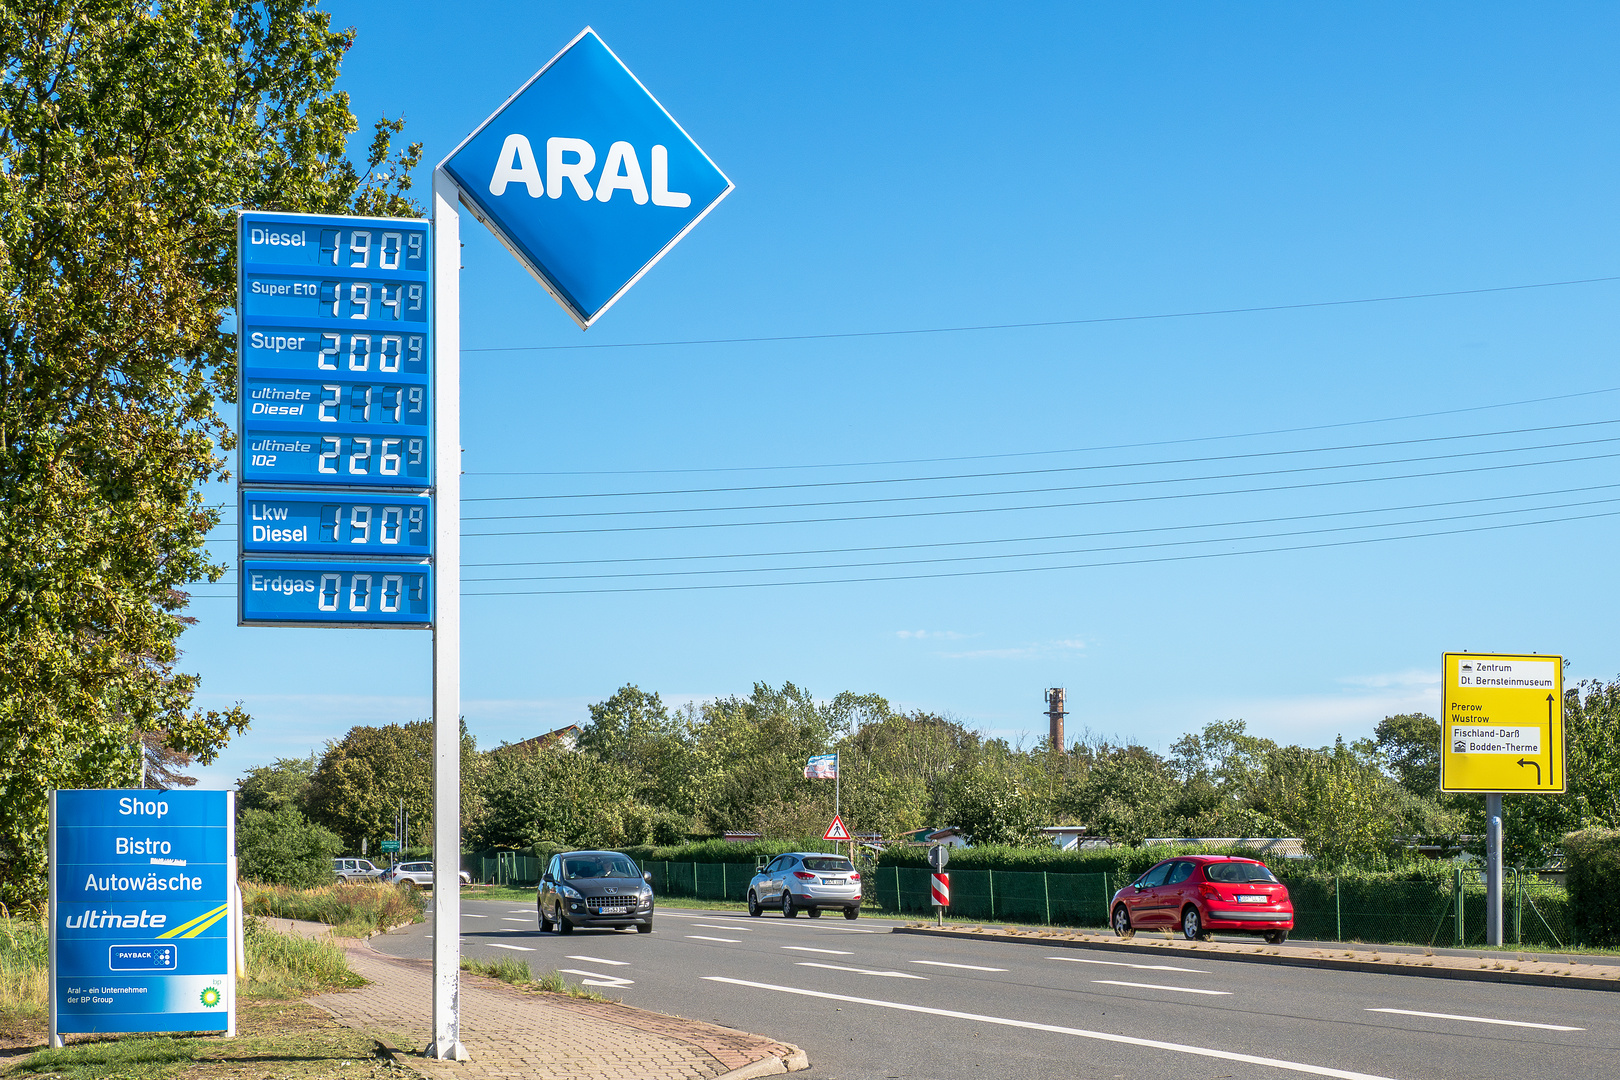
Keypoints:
pixel 1594 866
pixel 1122 862
pixel 722 851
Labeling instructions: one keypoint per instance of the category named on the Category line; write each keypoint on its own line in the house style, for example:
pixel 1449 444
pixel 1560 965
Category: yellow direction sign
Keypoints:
pixel 1502 726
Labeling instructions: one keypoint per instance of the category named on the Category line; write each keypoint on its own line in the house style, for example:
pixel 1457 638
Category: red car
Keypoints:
pixel 1202 894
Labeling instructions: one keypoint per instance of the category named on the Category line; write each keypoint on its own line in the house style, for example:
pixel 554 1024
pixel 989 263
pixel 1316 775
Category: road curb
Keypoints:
pixel 1520 978
pixel 796 1061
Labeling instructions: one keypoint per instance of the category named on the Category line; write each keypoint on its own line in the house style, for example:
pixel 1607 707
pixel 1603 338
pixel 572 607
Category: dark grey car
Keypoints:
pixel 594 888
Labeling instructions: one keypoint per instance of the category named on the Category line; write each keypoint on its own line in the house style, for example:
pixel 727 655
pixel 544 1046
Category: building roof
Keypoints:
pixel 564 738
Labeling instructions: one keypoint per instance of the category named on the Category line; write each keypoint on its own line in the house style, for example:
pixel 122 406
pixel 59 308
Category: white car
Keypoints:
pixel 809 881
pixel 349 870
pixel 417 875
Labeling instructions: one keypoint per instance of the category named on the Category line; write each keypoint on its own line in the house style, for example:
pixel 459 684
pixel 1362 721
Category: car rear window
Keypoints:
pixel 829 866
pixel 1238 872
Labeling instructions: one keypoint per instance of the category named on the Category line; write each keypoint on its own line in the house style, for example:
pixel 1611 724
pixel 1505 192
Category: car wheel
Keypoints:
pixel 814 913
pixel 1276 937
pixel 1122 922
pixel 545 923
pixel 644 927
pixel 788 910
pixel 1192 927
pixel 852 913
pixel 754 908
pixel 563 925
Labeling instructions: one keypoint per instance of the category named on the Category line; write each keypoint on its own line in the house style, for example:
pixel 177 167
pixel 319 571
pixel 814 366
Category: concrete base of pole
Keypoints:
pixel 454 1052
pixel 1493 870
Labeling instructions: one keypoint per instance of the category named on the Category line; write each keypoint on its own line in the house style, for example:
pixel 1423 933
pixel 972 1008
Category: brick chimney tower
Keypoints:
pixel 1054 715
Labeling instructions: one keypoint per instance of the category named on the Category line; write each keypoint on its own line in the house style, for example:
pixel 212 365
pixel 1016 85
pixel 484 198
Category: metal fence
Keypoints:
pixel 1434 912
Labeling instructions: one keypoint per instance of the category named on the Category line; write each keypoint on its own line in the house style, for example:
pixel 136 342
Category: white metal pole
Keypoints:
pixel 50 913
pixel 446 1044
pixel 1493 869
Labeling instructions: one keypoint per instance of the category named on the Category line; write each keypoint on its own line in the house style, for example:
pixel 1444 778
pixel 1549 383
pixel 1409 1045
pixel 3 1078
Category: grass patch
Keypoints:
pixel 356 910
pixel 285 1040
pixel 282 966
pixel 23 956
pixel 517 973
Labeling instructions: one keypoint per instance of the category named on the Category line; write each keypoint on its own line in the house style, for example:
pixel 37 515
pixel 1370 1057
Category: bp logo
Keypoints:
pixel 210 996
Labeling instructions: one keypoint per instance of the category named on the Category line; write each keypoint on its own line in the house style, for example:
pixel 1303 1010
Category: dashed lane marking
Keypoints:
pixel 862 971
pixel 504 919
pixel 601 960
pixel 470 915
pixel 514 948
pixel 1156 986
pixel 965 967
pixel 1478 1020
pixel 702 937
pixel 1142 967
pixel 829 952
pixel 1030 1025
pixel 718 926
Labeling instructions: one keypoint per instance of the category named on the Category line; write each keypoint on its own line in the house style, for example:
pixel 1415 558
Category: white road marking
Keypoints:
pixel 504 919
pixel 517 911
pixel 470 915
pixel 717 926
pixel 1479 1020
pixel 1156 986
pixel 829 952
pixel 702 937
pixel 593 979
pixel 600 960
pixel 514 948
pixel 1030 1025
pixel 1119 963
pixel 862 971
pixel 965 967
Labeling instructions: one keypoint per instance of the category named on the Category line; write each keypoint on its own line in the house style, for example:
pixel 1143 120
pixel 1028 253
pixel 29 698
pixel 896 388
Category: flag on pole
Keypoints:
pixel 822 767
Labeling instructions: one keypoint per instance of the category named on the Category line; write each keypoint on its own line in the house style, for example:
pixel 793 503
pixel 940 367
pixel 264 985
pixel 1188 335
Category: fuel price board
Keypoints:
pixel 334 332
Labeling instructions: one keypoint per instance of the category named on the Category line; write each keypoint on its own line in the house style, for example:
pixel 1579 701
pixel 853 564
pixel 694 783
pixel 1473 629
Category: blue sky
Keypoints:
pixel 903 168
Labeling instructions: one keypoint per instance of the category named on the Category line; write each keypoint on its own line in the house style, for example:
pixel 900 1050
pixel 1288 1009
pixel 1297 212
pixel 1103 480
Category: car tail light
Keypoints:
pixel 854 877
pixel 804 876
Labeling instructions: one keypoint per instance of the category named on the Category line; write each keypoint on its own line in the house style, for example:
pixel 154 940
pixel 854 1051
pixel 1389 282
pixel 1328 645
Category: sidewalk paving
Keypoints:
pixel 512 1033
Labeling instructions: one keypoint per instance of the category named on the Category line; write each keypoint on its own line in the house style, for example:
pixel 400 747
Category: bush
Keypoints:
pixel 1593 859
pixel 351 910
pixel 718 851
pixel 282 848
pixel 1127 861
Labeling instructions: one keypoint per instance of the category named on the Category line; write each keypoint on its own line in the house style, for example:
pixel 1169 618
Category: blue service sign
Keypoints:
pixel 327 592
pixel 586 178
pixel 141 911
pixel 336 523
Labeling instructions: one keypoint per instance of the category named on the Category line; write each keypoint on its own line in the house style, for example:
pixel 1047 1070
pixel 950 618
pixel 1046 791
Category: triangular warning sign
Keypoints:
pixel 836 830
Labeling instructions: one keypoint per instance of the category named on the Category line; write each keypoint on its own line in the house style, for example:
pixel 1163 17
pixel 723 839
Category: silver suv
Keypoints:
pixel 806 880
pixel 349 870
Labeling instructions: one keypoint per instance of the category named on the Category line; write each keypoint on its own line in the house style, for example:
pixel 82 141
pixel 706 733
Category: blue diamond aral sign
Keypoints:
pixel 586 178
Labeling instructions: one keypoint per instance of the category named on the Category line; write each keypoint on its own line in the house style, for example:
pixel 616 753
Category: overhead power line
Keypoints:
pixel 1075 450
pixel 1101 466
pixel 1046 323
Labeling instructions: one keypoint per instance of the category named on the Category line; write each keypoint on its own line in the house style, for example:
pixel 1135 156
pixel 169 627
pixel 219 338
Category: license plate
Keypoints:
pixel 832 881
pixel 1252 899
pixel 611 911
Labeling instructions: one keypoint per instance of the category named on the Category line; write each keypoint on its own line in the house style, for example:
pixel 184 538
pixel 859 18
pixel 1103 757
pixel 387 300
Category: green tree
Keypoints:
pixel 358 784
pixel 281 847
pixel 129 133
pixel 1410 744
pixel 559 797
pixel 284 782
pixel 1127 795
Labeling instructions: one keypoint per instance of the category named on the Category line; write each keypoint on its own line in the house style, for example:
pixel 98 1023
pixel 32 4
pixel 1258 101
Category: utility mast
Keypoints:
pixel 1054 716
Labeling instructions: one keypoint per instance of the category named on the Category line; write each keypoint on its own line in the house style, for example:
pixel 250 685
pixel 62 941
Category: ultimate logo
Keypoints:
pixel 210 996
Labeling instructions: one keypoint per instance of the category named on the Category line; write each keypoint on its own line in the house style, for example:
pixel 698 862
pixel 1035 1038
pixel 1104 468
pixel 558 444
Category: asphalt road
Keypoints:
pixel 864 1003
